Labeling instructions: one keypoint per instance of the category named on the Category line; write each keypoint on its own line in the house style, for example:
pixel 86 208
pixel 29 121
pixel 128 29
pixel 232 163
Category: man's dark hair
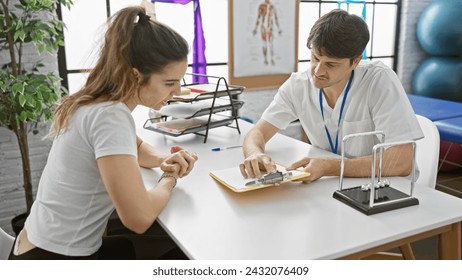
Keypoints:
pixel 339 34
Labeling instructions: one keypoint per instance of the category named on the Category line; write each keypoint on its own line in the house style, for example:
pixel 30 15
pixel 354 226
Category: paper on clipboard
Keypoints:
pixel 232 178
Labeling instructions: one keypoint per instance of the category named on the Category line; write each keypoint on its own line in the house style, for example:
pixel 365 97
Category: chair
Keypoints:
pixel 427 156
pixel 6 243
pixel 427 152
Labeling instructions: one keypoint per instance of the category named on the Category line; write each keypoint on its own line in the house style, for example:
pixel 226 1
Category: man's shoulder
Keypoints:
pixel 300 76
pixel 372 69
pixel 372 66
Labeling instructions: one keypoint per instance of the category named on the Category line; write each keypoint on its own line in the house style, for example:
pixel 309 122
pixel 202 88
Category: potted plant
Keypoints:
pixel 27 96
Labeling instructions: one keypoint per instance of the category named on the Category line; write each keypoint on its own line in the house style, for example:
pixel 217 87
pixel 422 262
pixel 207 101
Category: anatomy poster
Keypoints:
pixel 264 37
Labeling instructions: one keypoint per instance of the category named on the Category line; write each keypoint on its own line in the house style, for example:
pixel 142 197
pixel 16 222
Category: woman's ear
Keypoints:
pixel 137 75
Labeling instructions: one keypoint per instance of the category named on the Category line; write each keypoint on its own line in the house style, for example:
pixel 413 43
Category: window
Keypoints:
pixel 85 28
pixel 382 17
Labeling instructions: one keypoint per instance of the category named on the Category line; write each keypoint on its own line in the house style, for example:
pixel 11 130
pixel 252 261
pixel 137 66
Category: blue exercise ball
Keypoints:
pixel 439 28
pixel 439 77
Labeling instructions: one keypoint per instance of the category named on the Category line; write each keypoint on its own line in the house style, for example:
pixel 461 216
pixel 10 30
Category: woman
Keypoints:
pixel 93 165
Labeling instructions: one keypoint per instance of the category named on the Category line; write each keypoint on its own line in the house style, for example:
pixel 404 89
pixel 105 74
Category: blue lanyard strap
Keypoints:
pixel 334 148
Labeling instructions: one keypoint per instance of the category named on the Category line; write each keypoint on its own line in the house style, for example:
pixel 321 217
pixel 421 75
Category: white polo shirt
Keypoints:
pixel 376 101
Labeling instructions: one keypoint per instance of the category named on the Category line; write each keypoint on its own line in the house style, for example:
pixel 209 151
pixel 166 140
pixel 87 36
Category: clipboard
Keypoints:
pixel 232 178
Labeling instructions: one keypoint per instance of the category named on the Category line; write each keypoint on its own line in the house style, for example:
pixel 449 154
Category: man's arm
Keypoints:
pixel 254 150
pixel 397 161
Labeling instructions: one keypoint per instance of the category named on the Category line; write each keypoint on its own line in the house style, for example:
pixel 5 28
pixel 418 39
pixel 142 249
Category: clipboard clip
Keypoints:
pixel 270 178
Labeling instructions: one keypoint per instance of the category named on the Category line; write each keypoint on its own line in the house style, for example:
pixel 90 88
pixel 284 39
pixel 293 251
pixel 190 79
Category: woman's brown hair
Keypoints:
pixel 143 44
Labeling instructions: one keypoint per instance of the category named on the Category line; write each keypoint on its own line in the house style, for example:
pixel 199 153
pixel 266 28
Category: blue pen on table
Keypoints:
pixel 226 148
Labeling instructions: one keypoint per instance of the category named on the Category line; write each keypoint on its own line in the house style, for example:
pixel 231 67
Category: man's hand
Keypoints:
pixel 317 167
pixel 255 163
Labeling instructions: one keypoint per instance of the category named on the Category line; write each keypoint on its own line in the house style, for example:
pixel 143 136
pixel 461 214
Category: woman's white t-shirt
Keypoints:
pixel 72 206
pixel 376 102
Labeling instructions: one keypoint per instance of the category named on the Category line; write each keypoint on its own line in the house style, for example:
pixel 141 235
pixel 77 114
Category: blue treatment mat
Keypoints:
pixel 435 109
pixel 450 129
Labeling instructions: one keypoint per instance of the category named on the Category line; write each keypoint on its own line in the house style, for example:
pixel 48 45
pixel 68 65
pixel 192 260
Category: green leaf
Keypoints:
pixel 31 2
pixel 37 36
pixel 42 88
pixel 19 34
pixel 40 48
pixel 30 100
pixel 22 100
pixel 23 116
pixel 19 24
pixel 39 96
pixel 18 88
pixel 46 3
pixel 67 3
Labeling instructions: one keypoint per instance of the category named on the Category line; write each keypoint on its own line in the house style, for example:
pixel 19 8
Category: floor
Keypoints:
pixel 449 178
pixel 450 182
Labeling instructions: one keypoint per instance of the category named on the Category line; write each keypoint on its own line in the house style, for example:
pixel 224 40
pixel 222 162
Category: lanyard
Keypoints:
pixel 334 148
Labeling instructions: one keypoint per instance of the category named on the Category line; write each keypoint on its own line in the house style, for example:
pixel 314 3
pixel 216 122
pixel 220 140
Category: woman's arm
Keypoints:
pixel 148 157
pixel 136 206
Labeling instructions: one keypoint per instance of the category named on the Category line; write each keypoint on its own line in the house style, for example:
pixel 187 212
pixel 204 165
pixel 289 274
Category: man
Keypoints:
pixel 340 95
pixel 266 18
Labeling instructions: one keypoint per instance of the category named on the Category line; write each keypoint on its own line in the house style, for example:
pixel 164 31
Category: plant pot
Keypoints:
pixel 17 223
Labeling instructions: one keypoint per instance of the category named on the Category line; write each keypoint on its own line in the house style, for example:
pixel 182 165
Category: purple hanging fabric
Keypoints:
pixel 199 64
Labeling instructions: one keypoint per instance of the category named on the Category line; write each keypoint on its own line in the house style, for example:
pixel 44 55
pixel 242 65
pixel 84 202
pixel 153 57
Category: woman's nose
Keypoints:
pixel 177 90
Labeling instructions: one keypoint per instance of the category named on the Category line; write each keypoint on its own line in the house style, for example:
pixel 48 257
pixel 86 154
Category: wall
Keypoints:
pixel 12 200
pixel 410 53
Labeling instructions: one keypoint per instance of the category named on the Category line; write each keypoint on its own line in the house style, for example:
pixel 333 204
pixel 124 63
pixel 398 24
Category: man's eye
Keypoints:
pixel 170 84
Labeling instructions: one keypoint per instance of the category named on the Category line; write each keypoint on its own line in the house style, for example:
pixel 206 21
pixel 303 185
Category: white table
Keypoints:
pixel 294 221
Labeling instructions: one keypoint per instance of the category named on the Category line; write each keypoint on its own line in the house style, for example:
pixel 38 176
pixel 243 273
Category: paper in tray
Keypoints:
pixel 177 126
pixel 202 88
pixel 184 110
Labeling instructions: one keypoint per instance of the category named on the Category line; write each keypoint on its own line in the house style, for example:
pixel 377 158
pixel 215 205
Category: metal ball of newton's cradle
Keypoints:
pixel 381 184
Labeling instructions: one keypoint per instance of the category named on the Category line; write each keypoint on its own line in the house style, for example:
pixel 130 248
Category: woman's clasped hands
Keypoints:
pixel 180 161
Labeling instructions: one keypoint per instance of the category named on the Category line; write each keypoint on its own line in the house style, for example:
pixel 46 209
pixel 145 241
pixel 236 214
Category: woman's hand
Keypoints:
pixel 254 164
pixel 180 162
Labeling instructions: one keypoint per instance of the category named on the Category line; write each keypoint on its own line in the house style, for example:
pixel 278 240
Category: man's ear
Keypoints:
pixel 357 60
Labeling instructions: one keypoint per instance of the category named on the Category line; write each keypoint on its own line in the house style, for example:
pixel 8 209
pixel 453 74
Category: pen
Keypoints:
pixel 226 148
